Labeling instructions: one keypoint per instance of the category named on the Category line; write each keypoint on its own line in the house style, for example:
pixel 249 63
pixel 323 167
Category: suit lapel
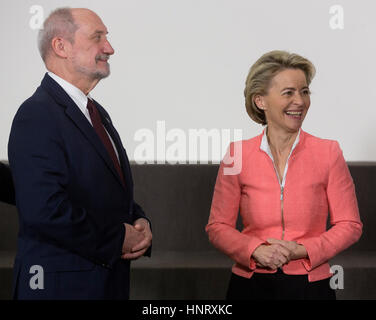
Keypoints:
pixel 79 119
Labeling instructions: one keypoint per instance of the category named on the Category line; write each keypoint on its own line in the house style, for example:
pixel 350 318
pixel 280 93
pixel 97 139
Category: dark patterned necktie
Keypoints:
pixel 101 132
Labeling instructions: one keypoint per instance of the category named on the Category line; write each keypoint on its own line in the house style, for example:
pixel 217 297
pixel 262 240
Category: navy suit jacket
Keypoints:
pixel 6 185
pixel 71 202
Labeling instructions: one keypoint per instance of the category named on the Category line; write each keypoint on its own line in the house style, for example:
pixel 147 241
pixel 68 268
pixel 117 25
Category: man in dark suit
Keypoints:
pixel 6 185
pixel 79 224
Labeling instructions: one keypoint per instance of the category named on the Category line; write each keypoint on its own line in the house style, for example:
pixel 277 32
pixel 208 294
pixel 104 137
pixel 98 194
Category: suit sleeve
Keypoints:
pixel 346 227
pixel 137 214
pixel 221 227
pixel 6 185
pixel 41 174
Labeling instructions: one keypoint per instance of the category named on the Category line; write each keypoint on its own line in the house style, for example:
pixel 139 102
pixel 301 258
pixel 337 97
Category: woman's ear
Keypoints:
pixel 259 101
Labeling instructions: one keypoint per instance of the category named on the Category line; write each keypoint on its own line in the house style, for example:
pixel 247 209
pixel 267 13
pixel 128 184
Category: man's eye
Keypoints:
pixel 306 92
pixel 288 93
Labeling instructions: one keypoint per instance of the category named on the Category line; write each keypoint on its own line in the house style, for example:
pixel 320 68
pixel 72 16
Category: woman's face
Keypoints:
pixel 287 101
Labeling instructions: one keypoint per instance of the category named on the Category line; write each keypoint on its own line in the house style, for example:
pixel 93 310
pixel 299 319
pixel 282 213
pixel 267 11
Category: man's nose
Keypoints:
pixel 107 49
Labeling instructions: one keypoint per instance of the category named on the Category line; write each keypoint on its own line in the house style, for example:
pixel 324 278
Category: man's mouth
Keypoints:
pixel 102 58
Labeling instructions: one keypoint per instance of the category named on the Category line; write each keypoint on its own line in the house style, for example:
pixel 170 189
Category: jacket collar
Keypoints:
pixel 298 145
pixel 78 97
pixel 79 119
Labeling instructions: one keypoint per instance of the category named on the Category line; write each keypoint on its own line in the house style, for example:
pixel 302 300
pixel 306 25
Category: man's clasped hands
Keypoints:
pixel 137 239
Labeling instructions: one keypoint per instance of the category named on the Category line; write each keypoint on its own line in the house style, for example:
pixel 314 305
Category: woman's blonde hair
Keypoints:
pixel 264 70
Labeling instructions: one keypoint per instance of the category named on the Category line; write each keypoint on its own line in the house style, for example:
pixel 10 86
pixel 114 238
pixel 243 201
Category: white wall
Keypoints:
pixel 184 62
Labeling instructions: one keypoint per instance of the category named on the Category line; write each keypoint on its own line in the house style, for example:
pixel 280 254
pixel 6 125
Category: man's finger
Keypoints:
pixel 144 244
pixel 139 227
pixel 141 224
pixel 133 255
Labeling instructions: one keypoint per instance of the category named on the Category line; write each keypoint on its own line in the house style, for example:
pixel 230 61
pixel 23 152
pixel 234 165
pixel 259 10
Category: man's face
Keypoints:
pixel 91 49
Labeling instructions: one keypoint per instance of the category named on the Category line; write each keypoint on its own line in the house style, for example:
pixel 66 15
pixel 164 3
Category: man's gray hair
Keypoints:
pixel 60 23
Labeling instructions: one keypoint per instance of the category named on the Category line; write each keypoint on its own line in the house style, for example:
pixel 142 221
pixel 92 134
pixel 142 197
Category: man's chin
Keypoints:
pixel 101 74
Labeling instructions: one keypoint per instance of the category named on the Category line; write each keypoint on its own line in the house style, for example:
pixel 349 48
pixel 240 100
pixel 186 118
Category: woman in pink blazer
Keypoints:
pixel 283 183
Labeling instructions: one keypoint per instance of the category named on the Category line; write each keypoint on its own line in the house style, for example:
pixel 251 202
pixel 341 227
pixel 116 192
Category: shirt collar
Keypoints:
pixel 79 98
pixel 264 146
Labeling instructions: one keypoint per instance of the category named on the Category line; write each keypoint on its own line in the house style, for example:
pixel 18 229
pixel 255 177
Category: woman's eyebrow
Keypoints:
pixel 288 88
pixel 294 89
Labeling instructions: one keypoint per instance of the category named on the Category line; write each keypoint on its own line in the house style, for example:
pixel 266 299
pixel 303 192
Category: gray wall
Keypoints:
pixel 184 62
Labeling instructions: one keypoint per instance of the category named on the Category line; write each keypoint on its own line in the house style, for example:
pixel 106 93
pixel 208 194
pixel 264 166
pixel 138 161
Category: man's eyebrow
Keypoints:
pixel 99 32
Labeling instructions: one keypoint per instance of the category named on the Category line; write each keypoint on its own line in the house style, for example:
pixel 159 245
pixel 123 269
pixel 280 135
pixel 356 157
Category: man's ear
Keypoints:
pixel 60 47
pixel 259 101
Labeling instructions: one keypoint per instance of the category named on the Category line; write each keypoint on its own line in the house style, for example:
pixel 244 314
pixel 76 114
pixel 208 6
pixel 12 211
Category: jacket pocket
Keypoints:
pixel 66 262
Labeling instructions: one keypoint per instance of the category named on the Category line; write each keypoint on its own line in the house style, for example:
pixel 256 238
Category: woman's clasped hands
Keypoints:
pixel 275 253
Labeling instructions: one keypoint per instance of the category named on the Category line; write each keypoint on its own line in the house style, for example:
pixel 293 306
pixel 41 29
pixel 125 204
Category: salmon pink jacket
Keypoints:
pixel 318 183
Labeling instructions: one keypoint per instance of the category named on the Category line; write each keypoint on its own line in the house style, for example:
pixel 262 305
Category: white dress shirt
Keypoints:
pixel 80 99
